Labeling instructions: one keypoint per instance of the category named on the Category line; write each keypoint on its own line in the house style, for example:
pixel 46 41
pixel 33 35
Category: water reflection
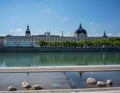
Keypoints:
pixel 28 74
pixel 53 59
pixel 81 74
pixel 57 80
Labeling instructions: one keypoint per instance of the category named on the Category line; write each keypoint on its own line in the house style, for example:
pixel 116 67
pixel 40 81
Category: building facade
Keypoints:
pixel 18 41
pixel 33 40
pixel 1 41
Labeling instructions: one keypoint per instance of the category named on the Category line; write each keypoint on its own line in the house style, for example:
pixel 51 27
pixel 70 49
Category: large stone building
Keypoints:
pixel 33 40
pixel 19 41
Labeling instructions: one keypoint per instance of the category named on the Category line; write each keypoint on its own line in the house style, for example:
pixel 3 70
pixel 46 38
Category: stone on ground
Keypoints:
pixel 91 81
pixel 36 87
pixel 12 88
pixel 109 82
pixel 25 85
pixel 101 83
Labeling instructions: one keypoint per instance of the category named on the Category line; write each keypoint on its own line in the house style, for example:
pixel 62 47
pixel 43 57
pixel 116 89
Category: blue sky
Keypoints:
pixel 57 15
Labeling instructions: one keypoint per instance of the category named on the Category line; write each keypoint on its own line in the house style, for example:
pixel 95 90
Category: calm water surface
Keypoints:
pixel 56 80
pixel 59 59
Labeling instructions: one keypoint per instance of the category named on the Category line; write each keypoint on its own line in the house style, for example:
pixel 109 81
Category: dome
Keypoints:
pixel 80 30
pixel 27 31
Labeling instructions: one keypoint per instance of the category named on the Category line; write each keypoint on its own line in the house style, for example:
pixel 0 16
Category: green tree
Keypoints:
pixel 80 43
pixel 42 43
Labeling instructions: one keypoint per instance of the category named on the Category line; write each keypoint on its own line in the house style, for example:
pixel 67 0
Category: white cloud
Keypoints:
pixel 108 34
pixel 66 34
pixel 18 32
pixel 118 34
pixel 64 19
pixel 95 35
pixel 98 35
pixel 60 34
pixel 2 34
pixel 11 30
pixel 111 34
pixel 91 23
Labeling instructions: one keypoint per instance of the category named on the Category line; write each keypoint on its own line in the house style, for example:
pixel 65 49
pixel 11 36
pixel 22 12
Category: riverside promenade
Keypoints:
pixel 87 90
pixel 64 69
pixel 36 69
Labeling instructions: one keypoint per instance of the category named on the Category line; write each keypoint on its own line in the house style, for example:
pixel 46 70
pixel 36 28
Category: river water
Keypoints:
pixel 58 80
pixel 59 59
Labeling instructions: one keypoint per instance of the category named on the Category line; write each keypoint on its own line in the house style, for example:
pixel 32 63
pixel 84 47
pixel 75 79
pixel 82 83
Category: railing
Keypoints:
pixel 95 68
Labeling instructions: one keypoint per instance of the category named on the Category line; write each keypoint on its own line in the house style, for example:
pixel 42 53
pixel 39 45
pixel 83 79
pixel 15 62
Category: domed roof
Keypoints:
pixel 80 30
pixel 27 31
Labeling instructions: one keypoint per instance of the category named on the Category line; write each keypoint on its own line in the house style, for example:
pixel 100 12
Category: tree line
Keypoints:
pixel 102 43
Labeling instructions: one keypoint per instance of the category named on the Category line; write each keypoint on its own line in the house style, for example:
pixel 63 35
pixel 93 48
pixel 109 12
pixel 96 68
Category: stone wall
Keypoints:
pixel 32 49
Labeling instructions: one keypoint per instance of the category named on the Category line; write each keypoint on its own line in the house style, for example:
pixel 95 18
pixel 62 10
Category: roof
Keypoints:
pixel 80 30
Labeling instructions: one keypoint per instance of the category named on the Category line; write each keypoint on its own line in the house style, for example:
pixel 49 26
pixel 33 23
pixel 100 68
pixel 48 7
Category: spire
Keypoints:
pixel 104 35
pixel 27 27
pixel 80 26
pixel 62 33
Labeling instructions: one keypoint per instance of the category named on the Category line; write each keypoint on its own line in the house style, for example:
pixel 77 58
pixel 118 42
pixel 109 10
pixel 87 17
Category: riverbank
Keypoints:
pixel 88 90
pixel 32 49
pixel 59 82
pixel 59 77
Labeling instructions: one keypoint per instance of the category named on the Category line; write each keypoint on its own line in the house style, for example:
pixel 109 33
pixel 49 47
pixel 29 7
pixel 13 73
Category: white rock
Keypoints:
pixel 25 85
pixel 101 83
pixel 12 88
pixel 109 82
pixel 91 81
pixel 36 87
